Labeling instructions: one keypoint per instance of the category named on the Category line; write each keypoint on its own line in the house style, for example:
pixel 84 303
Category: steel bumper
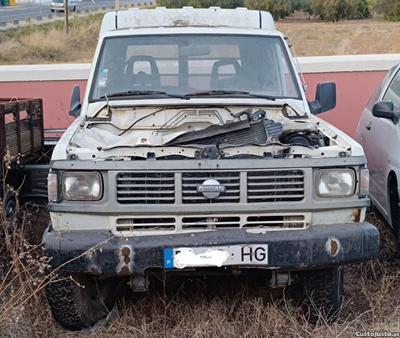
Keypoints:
pixel 106 254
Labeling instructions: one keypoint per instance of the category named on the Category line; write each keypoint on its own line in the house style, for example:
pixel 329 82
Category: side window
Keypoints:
pixel 393 92
pixel 375 96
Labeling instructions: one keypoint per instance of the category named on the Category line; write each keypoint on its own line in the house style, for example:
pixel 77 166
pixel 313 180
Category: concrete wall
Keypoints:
pixel 355 77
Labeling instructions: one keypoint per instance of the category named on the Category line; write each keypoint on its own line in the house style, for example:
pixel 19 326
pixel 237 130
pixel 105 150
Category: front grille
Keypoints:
pixel 146 188
pixel 261 186
pixel 190 182
pixel 275 186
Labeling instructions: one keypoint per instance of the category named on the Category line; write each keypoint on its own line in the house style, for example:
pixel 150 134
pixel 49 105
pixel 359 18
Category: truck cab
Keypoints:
pixel 195 151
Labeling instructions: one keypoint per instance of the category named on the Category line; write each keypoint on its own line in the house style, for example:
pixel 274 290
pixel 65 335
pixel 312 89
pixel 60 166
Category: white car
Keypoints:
pixel 59 5
pixel 379 133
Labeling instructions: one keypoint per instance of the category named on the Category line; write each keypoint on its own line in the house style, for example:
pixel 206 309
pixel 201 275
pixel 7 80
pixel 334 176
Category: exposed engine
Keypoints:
pixel 211 133
pixel 255 128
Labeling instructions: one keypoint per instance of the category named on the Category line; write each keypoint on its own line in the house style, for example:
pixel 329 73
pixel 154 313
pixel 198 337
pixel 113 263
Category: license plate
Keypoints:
pixel 246 254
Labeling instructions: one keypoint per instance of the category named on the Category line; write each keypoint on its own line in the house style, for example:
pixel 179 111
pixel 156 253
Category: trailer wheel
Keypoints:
pixel 79 301
pixel 9 204
pixel 320 293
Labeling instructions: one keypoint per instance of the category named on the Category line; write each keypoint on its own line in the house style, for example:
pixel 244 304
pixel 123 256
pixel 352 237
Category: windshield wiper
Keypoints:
pixel 143 92
pixel 229 92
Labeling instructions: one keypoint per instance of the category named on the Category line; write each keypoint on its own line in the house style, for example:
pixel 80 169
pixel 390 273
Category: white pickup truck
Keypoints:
pixel 195 151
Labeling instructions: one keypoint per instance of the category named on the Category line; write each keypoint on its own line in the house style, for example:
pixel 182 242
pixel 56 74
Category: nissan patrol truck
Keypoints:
pixel 195 151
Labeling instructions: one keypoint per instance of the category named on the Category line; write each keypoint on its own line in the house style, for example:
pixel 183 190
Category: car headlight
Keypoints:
pixel 82 186
pixel 335 182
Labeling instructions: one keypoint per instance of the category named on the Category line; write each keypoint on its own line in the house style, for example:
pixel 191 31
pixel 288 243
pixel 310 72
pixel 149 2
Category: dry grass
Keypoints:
pixel 342 38
pixel 48 43
pixel 217 307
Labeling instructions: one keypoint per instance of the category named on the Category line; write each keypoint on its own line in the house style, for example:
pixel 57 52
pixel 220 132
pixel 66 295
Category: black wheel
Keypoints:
pixel 82 301
pixel 9 203
pixel 52 10
pixel 320 292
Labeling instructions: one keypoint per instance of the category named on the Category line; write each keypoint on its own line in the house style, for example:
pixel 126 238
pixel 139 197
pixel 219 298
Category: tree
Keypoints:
pixel 278 8
pixel 389 8
pixel 335 10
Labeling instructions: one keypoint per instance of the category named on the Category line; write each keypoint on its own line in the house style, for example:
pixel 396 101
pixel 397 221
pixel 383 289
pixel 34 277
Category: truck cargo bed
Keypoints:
pixel 21 129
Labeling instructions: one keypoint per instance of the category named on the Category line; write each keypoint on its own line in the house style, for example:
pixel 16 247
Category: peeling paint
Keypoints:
pixel 332 246
pixel 125 255
pixel 356 215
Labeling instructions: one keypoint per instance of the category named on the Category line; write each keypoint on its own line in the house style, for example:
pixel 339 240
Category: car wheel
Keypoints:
pixel 319 292
pixel 79 301
pixel 9 203
pixel 52 10
pixel 394 204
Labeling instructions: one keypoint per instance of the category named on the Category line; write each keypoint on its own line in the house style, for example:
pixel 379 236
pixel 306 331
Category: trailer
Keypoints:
pixel 23 167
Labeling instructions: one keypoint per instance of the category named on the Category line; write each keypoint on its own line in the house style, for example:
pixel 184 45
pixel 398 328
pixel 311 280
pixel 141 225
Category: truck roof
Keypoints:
pixel 187 17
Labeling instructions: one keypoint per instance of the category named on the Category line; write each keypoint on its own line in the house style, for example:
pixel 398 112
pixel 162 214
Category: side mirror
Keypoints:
pixel 325 98
pixel 76 105
pixel 385 110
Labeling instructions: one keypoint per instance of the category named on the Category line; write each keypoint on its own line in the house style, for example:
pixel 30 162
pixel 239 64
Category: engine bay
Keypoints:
pixel 203 133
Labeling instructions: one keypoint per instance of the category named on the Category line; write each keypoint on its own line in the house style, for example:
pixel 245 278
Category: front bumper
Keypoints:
pixel 318 246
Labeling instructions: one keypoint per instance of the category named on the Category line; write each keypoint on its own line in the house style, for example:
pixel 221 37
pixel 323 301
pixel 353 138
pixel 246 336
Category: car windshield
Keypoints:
pixel 189 64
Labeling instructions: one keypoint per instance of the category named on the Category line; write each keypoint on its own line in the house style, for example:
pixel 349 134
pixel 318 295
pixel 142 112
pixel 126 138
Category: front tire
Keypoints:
pixel 320 292
pixel 79 301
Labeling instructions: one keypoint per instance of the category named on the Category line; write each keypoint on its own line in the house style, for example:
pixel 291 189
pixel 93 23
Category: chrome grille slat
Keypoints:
pixel 275 190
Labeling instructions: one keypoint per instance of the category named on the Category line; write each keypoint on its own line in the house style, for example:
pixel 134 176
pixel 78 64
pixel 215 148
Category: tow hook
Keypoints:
pixel 280 279
pixel 139 283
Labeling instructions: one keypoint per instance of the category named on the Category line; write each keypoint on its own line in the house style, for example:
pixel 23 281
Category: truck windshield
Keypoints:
pixel 187 64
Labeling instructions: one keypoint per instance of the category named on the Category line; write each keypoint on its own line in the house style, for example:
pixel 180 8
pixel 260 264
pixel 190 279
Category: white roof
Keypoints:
pixel 187 17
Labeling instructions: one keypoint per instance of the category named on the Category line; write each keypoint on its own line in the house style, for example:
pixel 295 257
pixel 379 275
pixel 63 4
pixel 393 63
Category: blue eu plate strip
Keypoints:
pixel 168 258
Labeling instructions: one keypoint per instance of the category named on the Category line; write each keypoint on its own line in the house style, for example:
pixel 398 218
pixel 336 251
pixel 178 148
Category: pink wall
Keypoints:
pixel 56 97
pixel 353 92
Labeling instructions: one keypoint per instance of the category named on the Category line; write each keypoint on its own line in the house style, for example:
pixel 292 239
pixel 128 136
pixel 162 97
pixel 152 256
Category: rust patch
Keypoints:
pixel 125 271
pixel 126 254
pixel 181 23
pixel 95 271
pixel 332 246
pixel 356 215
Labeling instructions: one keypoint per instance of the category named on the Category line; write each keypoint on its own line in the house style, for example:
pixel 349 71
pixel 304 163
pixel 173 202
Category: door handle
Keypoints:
pixel 368 126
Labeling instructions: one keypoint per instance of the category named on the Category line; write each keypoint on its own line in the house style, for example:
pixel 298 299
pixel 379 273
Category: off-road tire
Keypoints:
pixel 82 301
pixel 319 292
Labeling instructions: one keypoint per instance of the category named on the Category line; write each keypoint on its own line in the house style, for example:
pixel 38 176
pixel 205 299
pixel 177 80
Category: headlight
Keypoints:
pixel 82 186
pixel 335 182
